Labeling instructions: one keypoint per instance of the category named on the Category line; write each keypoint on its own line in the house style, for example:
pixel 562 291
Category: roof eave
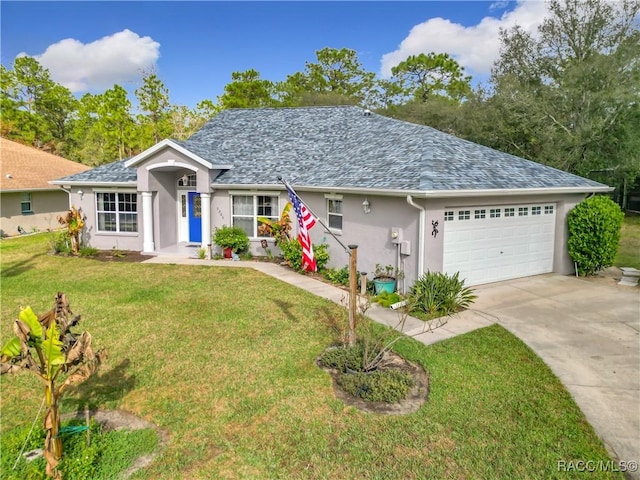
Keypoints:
pixel 69 183
pixel 423 193
pixel 29 189
pixel 512 192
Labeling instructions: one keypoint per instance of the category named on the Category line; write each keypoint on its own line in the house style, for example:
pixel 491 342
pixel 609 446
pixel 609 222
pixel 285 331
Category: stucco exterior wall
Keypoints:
pixel 165 217
pixel 46 206
pixel 371 232
pixel 105 240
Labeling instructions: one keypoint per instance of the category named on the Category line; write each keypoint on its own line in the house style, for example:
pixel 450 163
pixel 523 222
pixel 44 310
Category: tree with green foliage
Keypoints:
pixel 46 347
pixel 115 121
pixel 35 109
pixel 594 234
pixel 337 78
pixel 153 101
pixel 431 75
pixel 247 90
pixel 569 97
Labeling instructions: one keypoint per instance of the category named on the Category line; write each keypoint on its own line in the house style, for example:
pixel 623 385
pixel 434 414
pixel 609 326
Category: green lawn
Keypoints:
pixel 629 249
pixel 223 359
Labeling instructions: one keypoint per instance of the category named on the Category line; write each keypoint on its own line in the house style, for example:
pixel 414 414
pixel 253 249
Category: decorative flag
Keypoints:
pixel 306 221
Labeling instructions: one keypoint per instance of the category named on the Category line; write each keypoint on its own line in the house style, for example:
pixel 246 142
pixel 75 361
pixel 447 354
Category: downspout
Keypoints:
pixel 421 239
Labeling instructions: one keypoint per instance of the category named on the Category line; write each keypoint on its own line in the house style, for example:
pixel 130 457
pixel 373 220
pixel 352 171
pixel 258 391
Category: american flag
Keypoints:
pixel 306 221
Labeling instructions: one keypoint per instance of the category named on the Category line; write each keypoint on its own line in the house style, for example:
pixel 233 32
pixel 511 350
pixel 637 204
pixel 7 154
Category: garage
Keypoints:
pixel 499 242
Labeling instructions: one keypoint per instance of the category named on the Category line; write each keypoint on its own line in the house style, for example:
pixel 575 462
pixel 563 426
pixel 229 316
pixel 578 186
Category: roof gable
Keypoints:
pixel 167 143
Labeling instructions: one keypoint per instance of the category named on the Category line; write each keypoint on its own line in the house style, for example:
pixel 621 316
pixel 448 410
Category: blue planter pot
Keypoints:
pixel 384 285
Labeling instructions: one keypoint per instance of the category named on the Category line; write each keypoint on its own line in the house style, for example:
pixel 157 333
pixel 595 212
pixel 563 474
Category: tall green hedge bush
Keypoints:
pixel 594 233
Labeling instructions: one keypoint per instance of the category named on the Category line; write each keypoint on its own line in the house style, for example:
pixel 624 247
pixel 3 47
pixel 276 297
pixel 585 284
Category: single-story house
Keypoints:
pixel 28 202
pixel 408 195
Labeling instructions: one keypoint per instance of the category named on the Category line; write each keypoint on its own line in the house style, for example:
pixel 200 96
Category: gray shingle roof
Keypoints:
pixel 114 172
pixel 341 147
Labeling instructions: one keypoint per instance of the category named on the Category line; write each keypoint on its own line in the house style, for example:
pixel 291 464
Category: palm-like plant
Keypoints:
pixel 46 347
pixel 73 221
pixel 278 229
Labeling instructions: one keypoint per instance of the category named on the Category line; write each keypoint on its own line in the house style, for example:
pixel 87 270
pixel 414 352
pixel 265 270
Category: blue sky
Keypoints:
pixel 195 46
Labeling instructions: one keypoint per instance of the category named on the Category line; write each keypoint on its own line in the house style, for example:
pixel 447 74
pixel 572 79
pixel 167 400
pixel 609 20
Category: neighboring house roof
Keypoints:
pixel 26 168
pixel 349 148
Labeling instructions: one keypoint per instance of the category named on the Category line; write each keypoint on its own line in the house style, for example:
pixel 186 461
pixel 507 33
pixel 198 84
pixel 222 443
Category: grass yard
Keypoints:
pixel 223 360
pixel 629 249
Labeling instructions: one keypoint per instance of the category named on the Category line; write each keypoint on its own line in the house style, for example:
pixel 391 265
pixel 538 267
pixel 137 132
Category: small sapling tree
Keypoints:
pixel 46 347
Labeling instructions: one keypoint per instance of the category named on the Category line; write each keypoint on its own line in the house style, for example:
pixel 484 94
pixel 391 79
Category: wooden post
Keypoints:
pixel 353 293
pixel 363 283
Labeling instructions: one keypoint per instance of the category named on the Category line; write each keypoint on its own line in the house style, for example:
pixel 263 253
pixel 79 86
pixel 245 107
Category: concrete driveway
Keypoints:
pixel 589 334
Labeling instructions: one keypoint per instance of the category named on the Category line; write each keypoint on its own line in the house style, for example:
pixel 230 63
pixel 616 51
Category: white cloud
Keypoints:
pixel 117 58
pixel 475 47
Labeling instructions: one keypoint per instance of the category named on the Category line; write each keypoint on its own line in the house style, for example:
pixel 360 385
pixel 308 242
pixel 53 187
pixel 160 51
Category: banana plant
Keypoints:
pixel 46 347
pixel 73 221
pixel 278 229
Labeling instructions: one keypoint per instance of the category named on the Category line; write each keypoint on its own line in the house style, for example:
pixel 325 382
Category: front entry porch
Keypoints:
pixel 180 250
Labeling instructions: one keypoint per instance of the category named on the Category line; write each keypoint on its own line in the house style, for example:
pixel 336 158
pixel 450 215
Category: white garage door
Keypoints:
pixel 493 243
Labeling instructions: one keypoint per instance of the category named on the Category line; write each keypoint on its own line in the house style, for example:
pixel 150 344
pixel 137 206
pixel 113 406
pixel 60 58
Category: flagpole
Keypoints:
pixel 352 251
pixel 286 184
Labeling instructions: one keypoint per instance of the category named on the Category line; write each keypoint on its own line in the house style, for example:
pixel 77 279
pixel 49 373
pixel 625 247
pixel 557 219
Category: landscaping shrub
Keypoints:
pixel 339 276
pixel 61 243
pixel 379 386
pixel 88 252
pixel 387 299
pixel 439 293
pixel 594 233
pixel 292 253
pixel 344 358
pixel 376 385
pixel 234 238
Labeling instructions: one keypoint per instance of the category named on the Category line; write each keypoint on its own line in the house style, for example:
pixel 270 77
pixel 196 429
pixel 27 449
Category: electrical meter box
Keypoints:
pixel 405 247
pixel 396 235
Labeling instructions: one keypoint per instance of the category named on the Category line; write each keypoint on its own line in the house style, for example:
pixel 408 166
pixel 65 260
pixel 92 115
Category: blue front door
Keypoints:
pixel 195 218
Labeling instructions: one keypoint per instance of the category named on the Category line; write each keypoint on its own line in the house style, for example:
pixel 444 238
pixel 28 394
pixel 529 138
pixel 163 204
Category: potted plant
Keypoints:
pixel 231 239
pixel 384 279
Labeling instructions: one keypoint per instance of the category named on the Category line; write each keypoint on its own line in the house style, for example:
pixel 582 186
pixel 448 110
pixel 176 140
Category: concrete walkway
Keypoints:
pixel 587 333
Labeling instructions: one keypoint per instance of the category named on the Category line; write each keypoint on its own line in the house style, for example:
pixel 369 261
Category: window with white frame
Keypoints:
pixel 245 210
pixel 25 203
pixel 117 212
pixel 187 180
pixel 334 212
pixel 448 216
